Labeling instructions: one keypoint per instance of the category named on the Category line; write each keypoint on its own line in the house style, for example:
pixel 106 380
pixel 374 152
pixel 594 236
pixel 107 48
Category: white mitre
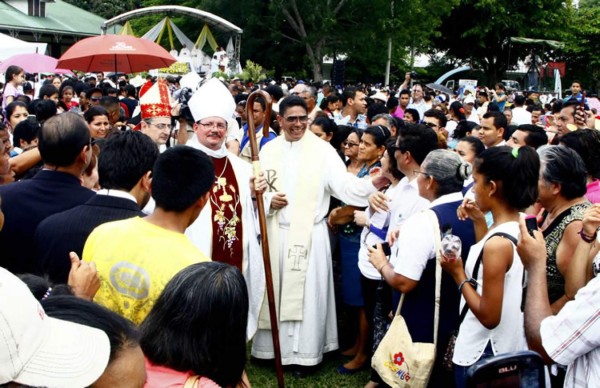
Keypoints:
pixel 212 99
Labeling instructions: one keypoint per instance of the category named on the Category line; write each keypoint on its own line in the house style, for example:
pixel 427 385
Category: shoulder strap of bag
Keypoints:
pixel 437 238
pixel 438 274
pixel 465 308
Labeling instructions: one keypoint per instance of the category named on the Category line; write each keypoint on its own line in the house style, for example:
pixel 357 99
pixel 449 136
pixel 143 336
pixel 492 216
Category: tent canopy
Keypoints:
pixel 12 46
pixel 550 43
pixel 212 20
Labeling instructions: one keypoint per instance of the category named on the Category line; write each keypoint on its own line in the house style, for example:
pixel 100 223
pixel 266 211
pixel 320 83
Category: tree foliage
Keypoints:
pixel 292 36
pixel 253 72
pixel 583 45
pixel 478 31
pixel 106 8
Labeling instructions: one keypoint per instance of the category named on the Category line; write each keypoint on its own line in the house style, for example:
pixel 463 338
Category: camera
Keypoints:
pixel 414 74
pixel 386 248
pixel 531 224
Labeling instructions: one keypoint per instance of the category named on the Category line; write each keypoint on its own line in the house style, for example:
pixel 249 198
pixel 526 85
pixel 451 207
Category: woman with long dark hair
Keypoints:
pixel 197 328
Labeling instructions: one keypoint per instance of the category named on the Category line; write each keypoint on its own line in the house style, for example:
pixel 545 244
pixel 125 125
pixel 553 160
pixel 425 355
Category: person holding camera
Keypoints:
pixel 418 102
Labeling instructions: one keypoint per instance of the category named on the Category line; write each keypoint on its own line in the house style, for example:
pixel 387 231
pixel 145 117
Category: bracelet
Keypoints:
pixel 47 294
pixel 586 238
pixel 471 281
pixel 383 266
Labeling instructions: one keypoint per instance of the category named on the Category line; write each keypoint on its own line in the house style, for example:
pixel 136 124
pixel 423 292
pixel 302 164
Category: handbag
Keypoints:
pixel 449 354
pixel 398 360
pixel 381 320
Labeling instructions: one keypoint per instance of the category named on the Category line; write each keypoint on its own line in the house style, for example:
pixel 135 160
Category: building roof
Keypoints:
pixel 61 18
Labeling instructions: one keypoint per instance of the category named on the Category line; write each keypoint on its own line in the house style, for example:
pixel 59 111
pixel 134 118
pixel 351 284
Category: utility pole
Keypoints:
pixel 389 52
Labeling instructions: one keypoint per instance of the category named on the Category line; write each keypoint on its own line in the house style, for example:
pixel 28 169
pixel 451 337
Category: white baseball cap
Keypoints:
pixel 469 100
pixel 38 350
pixel 379 96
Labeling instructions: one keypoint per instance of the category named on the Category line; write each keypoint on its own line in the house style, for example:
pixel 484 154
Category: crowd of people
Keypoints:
pixel 131 216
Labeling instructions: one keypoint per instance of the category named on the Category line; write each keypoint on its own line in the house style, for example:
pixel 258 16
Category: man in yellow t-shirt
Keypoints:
pixel 135 258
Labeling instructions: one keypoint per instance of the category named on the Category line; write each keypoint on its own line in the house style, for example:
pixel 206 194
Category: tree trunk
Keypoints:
pixel 315 57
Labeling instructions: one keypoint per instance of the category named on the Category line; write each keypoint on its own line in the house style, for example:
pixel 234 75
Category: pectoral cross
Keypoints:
pixel 298 252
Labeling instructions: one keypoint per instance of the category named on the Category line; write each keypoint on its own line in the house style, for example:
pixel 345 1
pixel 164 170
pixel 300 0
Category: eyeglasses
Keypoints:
pixel 417 172
pixel 95 98
pixel 211 125
pixel 431 125
pixel 293 119
pixel 349 144
pixel 160 126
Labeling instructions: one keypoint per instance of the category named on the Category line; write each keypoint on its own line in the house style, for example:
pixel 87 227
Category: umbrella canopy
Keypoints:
pixel 440 88
pixel 118 53
pixel 33 63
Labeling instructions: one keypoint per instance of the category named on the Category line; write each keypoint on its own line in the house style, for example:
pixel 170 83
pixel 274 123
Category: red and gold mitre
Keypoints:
pixel 154 101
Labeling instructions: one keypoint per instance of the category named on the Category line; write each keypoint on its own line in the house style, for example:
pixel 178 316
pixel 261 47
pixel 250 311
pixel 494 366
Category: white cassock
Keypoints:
pixel 303 342
pixel 200 233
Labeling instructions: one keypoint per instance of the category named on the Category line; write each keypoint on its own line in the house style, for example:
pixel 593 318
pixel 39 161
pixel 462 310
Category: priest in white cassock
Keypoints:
pixel 227 229
pixel 302 173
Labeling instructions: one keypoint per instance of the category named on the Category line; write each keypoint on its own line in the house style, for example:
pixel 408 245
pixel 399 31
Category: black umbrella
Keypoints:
pixel 440 88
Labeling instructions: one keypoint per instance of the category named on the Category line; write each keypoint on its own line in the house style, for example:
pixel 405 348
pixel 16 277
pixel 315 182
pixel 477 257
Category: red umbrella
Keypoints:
pixel 118 53
pixel 33 63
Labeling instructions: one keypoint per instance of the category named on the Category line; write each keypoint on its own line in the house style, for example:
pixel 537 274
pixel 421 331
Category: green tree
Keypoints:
pixel 312 23
pixel 583 46
pixel 106 8
pixel 253 72
pixel 479 31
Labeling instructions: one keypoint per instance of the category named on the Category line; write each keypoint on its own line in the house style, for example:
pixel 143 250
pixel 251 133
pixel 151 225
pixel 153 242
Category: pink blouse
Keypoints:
pixel 163 377
pixel 593 191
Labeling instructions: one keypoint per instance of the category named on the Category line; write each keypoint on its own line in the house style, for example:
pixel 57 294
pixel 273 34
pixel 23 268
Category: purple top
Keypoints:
pixel 9 90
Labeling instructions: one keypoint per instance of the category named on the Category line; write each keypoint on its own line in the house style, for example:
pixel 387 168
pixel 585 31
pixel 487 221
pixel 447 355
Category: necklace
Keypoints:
pixel 220 180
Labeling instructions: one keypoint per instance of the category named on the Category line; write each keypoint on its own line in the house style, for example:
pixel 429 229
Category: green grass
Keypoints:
pixel 262 374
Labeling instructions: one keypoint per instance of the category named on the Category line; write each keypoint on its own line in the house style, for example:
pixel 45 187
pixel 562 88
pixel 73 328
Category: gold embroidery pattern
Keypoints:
pixel 225 200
